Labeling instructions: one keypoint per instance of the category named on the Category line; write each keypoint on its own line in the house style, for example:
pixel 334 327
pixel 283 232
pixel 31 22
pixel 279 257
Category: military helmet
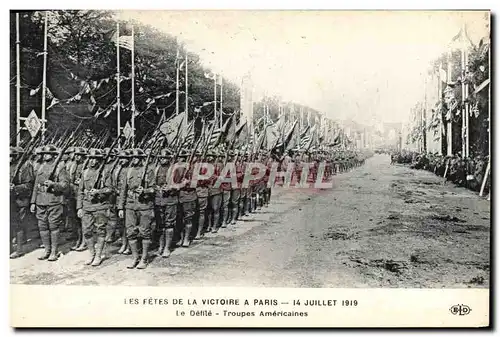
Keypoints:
pixel 69 150
pixel 114 152
pixel 183 153
pixel 137 153
pixel 124 154
pixel 165 153
pixel 38 150
pixel 95 153
pixel 49 149
pixel 80 150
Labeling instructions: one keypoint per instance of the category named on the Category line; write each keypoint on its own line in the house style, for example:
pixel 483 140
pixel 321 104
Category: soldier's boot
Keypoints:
pixel 260 198
pixel 99 247
pixel 243 209
pixel 254 203
pixel 54 244
pixel 82 246
pixel 127 250
pixel 124 242
pixel 110 232
pixel 143 263
pixel 161 247
pixel 169 235
pixel 225 216
pixel 79 238
pixel 234 214
pixel 135 254
pixel 201 224
pixel 187 234
pixel 19 247
pixel 45 237
pixel 91 245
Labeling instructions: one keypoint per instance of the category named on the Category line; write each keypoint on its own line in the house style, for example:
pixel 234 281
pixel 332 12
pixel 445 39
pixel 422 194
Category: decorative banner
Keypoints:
pixel 33 123
pixel 128 131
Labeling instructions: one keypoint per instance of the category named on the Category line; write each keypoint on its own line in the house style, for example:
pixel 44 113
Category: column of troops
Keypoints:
pixel 464 172
pixel 124 200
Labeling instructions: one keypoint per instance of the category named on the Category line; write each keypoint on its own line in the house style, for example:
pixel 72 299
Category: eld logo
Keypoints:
pixel 460 309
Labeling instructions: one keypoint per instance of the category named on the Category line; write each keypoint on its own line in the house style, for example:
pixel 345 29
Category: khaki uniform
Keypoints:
pixel 214 201
pixel 187 201
pixel 139 208
pixel 166 201
pixel 49 202
pixel 20 196
pixel 96 208
pixel 202 192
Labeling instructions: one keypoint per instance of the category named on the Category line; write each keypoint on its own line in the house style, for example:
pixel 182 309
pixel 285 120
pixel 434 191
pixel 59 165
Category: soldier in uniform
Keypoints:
pixel 119 177
pixel 93 204
pixel 47 201
pixel 226 195
pixel 187 201
pixel 202 202
pixel 136 204
pixel 236 190
pixel 268 161
pixel 243 208
pixel 166 203
pixel 22 179
pixel 109 170
pixel 75 175
pixel 38 159
pixel 214 196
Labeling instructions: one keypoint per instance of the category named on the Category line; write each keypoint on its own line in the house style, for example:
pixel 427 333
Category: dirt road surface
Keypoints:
pixel 380 225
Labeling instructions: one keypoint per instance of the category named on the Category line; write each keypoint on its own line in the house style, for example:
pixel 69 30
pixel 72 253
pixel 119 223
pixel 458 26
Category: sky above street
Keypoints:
pixel 364 66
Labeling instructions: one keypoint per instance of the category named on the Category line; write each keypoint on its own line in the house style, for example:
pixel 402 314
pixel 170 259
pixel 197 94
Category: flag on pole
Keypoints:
pixel 172 127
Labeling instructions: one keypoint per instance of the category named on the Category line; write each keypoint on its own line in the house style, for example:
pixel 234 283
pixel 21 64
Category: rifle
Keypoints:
pixel 103 165
pixel 34 141
pixel 148 160
pixel 71 140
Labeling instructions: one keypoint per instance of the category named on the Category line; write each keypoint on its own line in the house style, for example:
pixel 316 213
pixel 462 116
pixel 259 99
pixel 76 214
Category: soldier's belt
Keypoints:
pixel 43 188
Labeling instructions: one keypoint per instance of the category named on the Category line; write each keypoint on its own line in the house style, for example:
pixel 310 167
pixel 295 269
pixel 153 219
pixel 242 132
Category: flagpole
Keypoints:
pixel 215 100
pixel 462 87
pixel 133 86
pixel 44 81
pixel 450 122
pixel 221 83
pixel 187 92
pixel 441 126
pixel 424 113
pixel 467 107
pixel 177 80
pixel 118 102
pixel 18 84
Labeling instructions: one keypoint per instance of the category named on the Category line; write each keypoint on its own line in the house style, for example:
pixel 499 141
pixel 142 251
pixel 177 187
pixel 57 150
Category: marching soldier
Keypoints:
pixel 22 179
pixel 109 169
pixel 214 196
pixel 243 209
pixel 202 202
pixel 166 203
pixel 119 177
pixel 75 175
pixel 93 204
pixel 226 196
pixel 187 202
pixel 136 205
pixel 51 183
pixel 267 187
pixel 236 190
pixel 38 159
